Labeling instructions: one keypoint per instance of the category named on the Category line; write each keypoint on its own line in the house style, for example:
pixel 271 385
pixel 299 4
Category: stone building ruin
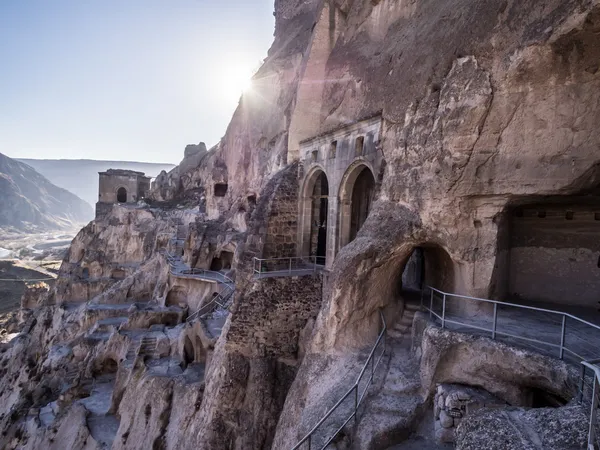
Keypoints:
pixel 338 178
pixel 118 186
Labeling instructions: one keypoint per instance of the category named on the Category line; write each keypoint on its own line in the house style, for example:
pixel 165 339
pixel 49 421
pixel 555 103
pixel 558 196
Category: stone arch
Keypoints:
pixel 429 264
pixel 356 195
pixel 122 195
pixel 314 211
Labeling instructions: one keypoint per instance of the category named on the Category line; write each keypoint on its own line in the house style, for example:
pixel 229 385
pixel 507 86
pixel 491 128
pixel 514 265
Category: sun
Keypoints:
pixel 234 81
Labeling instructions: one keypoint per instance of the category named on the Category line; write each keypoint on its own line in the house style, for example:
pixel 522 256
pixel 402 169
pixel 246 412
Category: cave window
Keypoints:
pixel 569 215
pixel 221 189
pixel 85 273
pixel 122 195
pixel 359 146
pixel 332 149
pixel 519 212
pixel 315 155
pixel 252 200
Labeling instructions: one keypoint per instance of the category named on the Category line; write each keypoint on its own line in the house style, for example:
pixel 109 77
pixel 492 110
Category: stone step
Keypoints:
pixel 413 307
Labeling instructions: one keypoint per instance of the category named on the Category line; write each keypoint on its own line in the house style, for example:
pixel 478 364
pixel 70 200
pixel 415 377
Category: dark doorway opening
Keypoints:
pixel 362 197
pixel 320 208
pixel 122 195
pixel 222 262
pixel 188 351
pixel 220 189
pixel 428 265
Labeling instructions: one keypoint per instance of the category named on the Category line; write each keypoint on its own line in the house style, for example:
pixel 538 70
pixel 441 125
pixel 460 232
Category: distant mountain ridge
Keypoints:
pixel 29 202
pixel 80 176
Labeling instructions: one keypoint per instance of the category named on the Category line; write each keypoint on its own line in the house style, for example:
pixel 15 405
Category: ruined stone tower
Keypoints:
pixel 120 186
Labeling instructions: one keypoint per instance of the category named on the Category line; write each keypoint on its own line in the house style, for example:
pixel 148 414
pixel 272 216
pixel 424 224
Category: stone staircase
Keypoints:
pixel 395 406
pixel 403 327
pixel 148 347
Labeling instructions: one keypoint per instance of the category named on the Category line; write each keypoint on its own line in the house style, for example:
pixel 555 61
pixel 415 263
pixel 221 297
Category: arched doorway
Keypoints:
pixel 320 207
pixel 122 195
pixel 428 265
pixel 356 197
pixel 315 211
pixel 362 197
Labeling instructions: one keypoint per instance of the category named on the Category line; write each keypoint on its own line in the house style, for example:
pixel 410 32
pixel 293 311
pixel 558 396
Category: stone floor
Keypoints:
pixel 536 330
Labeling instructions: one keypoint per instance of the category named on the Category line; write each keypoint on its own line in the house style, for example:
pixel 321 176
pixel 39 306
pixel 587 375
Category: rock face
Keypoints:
pixel 29 202
pixel 509 428
pixel 483 113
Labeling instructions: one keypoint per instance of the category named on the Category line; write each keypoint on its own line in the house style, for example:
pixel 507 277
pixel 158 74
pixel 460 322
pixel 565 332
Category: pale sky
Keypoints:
pixel 132 80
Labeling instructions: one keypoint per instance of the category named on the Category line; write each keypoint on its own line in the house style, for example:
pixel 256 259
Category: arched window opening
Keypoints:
pixel 122 195
pixel 362 197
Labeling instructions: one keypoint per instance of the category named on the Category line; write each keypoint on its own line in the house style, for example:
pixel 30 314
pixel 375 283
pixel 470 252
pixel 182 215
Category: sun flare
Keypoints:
pixel 234 82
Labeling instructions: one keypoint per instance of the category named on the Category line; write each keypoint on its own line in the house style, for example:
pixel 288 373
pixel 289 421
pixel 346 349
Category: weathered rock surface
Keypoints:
pixel 524 429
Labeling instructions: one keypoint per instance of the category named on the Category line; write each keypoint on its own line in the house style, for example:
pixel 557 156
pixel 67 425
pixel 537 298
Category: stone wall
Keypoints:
pixel 341 155
pixel 282 225
pixel 271 314
pixel 554 254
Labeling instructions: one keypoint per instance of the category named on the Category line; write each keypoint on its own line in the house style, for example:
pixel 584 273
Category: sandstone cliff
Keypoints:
pixel 484 108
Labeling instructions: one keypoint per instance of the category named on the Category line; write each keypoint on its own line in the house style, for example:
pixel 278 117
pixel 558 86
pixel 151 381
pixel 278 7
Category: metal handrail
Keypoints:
pixel 562 347
pixel 591 364
pixel 259 265
pixel 221 300
pixel 354 390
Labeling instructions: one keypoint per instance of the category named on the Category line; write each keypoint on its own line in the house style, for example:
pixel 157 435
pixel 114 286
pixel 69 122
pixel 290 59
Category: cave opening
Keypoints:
pixel 222 262
pixel 428 265
pixel 220 189
pixel 549 253
pixel 188 351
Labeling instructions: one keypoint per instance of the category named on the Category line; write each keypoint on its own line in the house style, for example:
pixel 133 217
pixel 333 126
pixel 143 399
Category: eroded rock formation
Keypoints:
pixel 460 123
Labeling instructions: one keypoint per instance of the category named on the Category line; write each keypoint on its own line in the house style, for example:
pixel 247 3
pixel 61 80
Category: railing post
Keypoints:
pixel 422 295
pixel 431 305
pixel 495 321
pixel 260 266
pixel 592 429
pixel 309 441
pixel 443 311
pixel 290 270
pixel 562 336
pixel 581 383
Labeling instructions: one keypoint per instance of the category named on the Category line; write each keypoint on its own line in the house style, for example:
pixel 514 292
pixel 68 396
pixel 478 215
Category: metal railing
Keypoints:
pixel 442 306
pixel 592 400
pixel 221 301
pixel 287 266
pixel 353 393
pixel 178 269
